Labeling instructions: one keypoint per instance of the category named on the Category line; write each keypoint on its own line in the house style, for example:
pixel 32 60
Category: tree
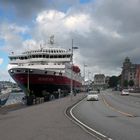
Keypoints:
pixel 131 83
pixel 113 81
pixel 125 83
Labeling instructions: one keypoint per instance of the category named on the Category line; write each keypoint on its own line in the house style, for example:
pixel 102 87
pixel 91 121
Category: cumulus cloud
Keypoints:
pixel 61 24
pixel 96 42
pixel 105 31
pixel 119 13
pixel 11 34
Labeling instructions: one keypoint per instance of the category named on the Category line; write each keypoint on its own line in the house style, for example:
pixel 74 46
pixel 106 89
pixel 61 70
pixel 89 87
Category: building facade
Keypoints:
pixel 137 79
pixel 100 81
pixel 130 72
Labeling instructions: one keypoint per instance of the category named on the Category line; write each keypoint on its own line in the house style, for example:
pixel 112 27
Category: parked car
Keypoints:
pixel 92 96
pixel 131 90
pixel 125 92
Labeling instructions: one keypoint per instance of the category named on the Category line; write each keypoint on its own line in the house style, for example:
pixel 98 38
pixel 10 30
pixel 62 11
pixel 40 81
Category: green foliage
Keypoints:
pixel 125 83
pixel 113 81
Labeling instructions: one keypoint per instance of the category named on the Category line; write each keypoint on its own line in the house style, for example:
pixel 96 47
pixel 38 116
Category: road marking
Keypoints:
pixel 113 108
pixel 87 127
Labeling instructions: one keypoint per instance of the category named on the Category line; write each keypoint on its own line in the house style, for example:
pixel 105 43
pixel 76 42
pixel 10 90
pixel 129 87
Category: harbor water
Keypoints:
pixel 15 97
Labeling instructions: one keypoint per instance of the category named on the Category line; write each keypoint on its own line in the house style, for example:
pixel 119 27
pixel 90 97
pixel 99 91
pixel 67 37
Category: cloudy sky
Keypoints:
pixel 106 31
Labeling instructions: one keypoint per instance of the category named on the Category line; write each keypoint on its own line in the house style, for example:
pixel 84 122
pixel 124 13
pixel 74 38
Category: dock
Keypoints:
pixel 46 121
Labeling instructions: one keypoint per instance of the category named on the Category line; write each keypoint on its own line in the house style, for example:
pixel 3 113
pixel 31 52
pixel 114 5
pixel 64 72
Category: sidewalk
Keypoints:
pixel 42 122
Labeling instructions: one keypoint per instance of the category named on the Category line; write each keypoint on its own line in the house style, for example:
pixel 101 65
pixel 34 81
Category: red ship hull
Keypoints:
pixel 37 84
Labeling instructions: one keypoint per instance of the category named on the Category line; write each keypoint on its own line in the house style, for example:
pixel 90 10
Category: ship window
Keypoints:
pixel 31 71
pixel 18 70
pixel 55 56
pixel 60 73
pixel 45 72
pixel 59 56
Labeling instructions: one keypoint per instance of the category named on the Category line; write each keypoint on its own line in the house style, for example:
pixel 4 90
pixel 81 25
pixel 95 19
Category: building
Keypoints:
pixel 130 72
pixel 137 79
pixel 100 81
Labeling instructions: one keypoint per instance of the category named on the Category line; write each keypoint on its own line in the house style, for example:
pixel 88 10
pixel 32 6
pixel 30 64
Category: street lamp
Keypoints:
pixel 72 48
pixel 84 76
pixel 89 80
pixel 84 72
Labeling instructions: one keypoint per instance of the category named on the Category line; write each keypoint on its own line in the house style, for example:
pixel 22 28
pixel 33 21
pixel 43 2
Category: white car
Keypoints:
pixel 92 96
pixel 125 92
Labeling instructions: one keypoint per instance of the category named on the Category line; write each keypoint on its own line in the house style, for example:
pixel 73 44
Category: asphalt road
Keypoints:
pixel 115 116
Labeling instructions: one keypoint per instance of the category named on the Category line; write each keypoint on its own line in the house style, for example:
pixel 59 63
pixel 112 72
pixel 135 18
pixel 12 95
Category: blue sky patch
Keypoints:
pixel 7 14
pixel 84 1
pixel 26 36
pixel 5 60
pixel 2 43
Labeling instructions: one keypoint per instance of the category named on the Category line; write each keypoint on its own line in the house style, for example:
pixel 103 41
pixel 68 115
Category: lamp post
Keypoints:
pixel 72 48
pixel 89 80
pixel 84 76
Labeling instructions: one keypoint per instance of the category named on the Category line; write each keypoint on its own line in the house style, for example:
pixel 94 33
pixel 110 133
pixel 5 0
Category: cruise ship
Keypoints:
pixel 45 72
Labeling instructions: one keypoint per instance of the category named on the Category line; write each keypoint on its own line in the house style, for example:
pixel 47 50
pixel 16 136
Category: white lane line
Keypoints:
pixel 91 129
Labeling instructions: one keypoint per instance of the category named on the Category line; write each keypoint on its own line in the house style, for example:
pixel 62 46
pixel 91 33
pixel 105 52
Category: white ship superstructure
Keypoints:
pixel 45 70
